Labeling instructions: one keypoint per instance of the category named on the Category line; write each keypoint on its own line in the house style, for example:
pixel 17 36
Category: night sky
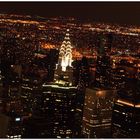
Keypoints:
pixel 113 12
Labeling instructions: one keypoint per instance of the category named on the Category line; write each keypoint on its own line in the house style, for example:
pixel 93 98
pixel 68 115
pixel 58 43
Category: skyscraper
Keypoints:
pixel 117 79
pixel 102 72
pixel 97 113
pixel 59 108
pixel 84 74
pixel 126 111
pixel 58 113
pixel 65 55
pixel 103 62
pixel 64 66
pixel 52 60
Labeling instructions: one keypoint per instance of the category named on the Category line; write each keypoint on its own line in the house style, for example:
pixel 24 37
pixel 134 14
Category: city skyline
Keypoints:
pixel 65 76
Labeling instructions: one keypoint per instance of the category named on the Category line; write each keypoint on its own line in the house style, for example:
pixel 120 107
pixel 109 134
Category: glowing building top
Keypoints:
pixel 65 55
pixel 64 70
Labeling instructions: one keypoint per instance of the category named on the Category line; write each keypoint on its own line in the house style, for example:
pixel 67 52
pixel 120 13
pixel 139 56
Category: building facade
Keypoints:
pixel 97 113
pixel 126 111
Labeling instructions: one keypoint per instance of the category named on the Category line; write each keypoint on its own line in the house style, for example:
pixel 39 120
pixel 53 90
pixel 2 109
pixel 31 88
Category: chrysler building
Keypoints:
pixel 65 55
pixel 64 66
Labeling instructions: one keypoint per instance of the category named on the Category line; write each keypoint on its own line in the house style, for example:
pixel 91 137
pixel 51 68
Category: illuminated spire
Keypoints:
pixel 65 55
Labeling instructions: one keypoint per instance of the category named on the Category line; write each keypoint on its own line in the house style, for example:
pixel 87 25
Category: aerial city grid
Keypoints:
pixel 68 77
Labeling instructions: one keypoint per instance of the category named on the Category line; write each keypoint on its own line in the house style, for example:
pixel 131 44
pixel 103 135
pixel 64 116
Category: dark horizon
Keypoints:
pixel 110 12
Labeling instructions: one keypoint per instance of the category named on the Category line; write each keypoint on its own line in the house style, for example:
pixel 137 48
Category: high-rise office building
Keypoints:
pixel 103 62
pixel 102 72
pixel 105 42
pixel 126 111
pixel 117 78
pixel 52 60
pixel 84 73
pixel 76 71
pixel 58 113
pixel 97 113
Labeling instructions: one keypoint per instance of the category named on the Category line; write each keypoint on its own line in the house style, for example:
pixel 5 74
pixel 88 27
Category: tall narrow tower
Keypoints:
pixel 103 61
pixel 65 55
pixel 64 67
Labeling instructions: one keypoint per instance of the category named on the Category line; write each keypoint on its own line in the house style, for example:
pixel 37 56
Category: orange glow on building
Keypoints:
pixel 76 54
pixel 100 93
pixel 48 46
pixel 137 106
pixel 128 103
pixel 125 103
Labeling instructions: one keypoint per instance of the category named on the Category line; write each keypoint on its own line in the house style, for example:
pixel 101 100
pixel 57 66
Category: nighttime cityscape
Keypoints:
pixel 69 70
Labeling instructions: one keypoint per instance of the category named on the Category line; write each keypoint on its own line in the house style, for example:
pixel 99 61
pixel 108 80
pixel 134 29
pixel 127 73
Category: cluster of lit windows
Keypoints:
pixel 14 137
pixel 97 110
